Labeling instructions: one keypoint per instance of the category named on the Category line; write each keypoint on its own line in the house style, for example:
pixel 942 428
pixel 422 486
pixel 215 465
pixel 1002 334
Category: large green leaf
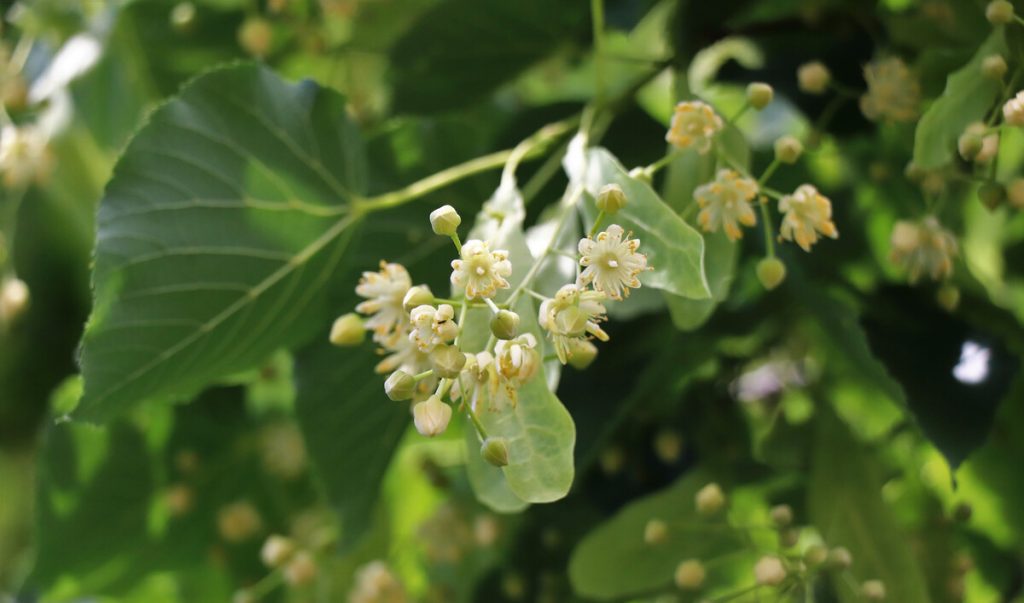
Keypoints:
pixel 226 216
pixel 967 98
pixel 674 249
pixel 845 501
pixel 461 50
pixel 614 562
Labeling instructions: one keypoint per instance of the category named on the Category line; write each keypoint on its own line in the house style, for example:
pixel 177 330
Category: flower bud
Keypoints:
pixel 999 12
pixel 948 297
pixel 813 77
pixel 582 353
pixel 431 417
pixel 495 451
pixel 788 149
pixel 445 220
pixel 183 17
pixel 840 558
pixel 771 272
pixel 1015 193
pixel 759 95
pixel 668 445
pixel 992 194
pixel 641 174
pixel 420 295
pixel 612 460
pixel 505 324
pixel 873 590
pixel 238 521
pixel 788 537
pixel 710 500
pixel 486 530
pixel 971 140
pixel 611 199
pixel 994 67
pixel 348 330
pixel 399 386
pixel 690 575
pixel 276 550
pixel 655 532
pixel 255 36
pixel 769 571
pixel 815 555
pixel 447 361
pixel 14 297
pixel 782 515
pixel 300 570
pixel 179 499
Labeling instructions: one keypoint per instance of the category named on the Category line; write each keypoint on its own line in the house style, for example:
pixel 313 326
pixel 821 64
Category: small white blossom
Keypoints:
pixel 572 314
pixel 893 91
pixel 807 213
pixel 726 201
pixel 384 292
pixel 694 124
pixel 479 378
pixel 611 262
pixel 431 327
pixel 517 362
pixel 481 271
pixel 24 155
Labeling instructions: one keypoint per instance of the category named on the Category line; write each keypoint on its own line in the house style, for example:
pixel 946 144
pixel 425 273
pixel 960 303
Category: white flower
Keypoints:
pixel 893 92
pixel 431 327
pixel 807 213
pixel 375 583
pixel 1013 110
pixel 612 264
pixel 24 155
pixel 517 362
pixel 923 248
pixel 481 271
pixel 694 124
pixel 384 291
pixel 726 201
pixel 479 378
pixel 572 314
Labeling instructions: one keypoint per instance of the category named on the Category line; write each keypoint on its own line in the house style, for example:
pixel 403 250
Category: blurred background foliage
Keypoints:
pixel 834 394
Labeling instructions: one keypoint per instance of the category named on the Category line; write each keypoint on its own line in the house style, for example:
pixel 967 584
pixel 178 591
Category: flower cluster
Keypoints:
pixel 923 248
pixel 894 93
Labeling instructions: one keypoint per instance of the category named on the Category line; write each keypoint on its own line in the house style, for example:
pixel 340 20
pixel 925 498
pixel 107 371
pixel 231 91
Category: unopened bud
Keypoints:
pixel 348 330
pixel 769 571
pixel 999 12
pixel 276 550
pixel 788 537
pixel 14 296
pixel 994 67
pixel 179 499
pixel 612 460
pixel 992 194
pixel 301 570
pixel 495 451
pixel 668 445
pixel 815 556
pixel 1015 193
pixel 970 142
pixel 582 353
pixel 655 532
pixel 840 558
pixel 873 590
pixel 813 78
pixel 710 500
pixel 445 220
pixel 641 174
pixel 255 36
pixel 431 417
pixel 948 297
pixel 505 324
pixel 447 361
pixel 759 95
pixel 788 149
pixel 690 575
pixel 183 17
pixel 782 515
pixel 611 199
pixel 486 530
pixel 771 272
pixel 420 295
pixel 400 385
pixel 238 521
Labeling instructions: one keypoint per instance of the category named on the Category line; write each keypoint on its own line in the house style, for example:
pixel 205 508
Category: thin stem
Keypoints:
pixel 266 585
pixel 769 228
pixel 9 230
pixel 551 166
pixel 491 305
pixel 574 197
pixel 423 375
pixel 597 21
pixel 657 165
pixel 768 171
pixel 457 242
pixel 597 223
pixel 1018 19
pixel 535 295
pixel 739 114
pixel 735 594
pixel 480 429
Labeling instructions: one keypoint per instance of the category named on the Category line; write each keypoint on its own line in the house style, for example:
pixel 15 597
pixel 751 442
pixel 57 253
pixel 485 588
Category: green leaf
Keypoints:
pixel 614 562
pixel 967 98
pixel 350 428
pixel 226 216
pixel 845 502
pixel 461 50
pixel 674 249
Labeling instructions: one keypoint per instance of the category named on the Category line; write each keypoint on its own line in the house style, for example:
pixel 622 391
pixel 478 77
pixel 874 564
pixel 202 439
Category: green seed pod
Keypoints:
pixel 399 386
pixel 495 451
pixel 771 272
pixel 505 324
pixel 759 95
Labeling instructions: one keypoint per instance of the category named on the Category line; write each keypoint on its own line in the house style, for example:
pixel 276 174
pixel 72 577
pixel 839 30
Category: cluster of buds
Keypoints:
pixel 420 335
